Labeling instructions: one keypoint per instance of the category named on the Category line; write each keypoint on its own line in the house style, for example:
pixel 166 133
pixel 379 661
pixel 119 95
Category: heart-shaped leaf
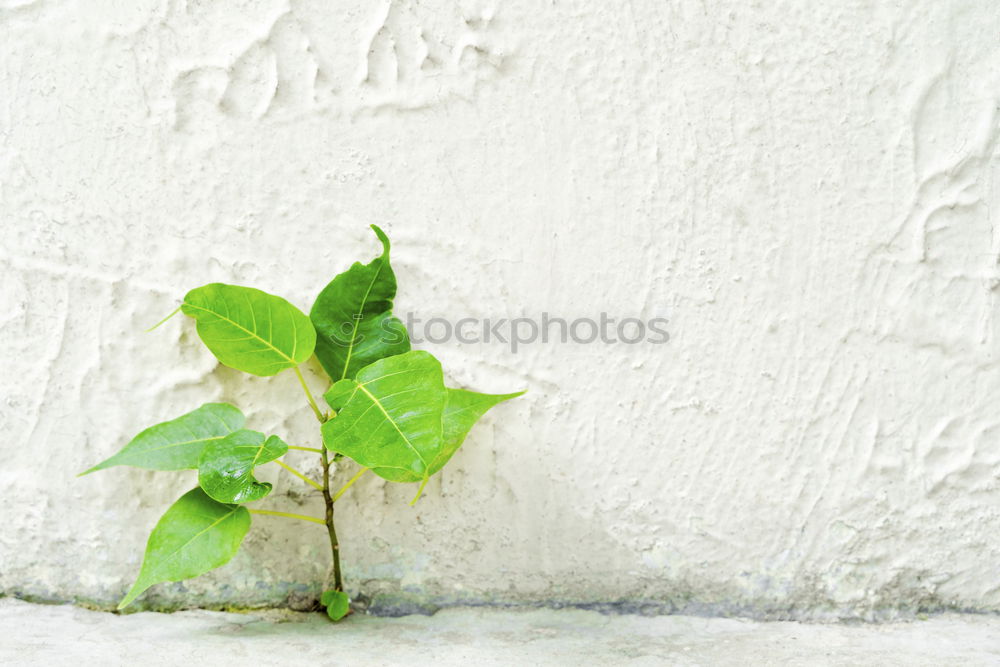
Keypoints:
pixel 463 409
pixel 389 417
pixel 250 330
pixel 337 604
pixel 225 470
pixel 353 317
pixel 397 418
pixel 177 444
pixel 195 535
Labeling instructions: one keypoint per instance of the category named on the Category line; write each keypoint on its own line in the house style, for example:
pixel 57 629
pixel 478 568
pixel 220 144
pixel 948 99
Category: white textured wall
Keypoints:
pixel 807 189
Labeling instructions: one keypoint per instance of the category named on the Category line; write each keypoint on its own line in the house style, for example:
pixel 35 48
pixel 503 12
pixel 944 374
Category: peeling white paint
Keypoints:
pixel 806 190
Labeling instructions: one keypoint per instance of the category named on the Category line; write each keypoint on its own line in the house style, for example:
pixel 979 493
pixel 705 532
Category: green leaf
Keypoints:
pixel 463 410
pixel 337 604
pixel 399 419
pixel 389 417
pixel 195 535
pixel 177 444
pixel 225 470
pixel 353 317
pixel 250 330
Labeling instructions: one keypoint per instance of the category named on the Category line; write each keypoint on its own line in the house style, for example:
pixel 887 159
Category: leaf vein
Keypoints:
pixel 253 334
pixel 357 317
pixel 394 425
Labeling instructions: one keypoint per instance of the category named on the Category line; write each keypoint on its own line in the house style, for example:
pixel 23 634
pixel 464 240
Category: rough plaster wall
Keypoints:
pixel 806 189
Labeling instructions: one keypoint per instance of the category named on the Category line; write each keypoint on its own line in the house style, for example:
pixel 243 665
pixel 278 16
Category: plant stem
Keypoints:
pixel 306 449
pixel 338 581
pixel 287 515
pixel 345 487
pixel 419 492
pixel 314 484
pixel 312 401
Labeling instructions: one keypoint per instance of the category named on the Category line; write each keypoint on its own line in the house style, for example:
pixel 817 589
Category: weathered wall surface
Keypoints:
pixel 806 190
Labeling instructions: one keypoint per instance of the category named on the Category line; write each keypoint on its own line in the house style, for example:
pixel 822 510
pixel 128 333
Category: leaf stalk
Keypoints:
pixel 351 481
pixel 312 401
pixel 307 480
pixel 420 491
pixel 287 515
pixel 317 450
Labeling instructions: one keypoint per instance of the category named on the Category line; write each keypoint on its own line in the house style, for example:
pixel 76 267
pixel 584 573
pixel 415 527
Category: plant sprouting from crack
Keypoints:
pixel 389 412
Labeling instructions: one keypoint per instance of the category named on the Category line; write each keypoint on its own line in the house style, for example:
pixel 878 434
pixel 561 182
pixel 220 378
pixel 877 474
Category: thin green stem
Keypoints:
pixel 312 401
pixel 306 449
pixel 314 484
pixel 345 487
pixel 288 515
pixel 419 491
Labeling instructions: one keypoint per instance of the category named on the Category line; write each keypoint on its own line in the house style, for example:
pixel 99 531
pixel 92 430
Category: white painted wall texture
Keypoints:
pixel 806 189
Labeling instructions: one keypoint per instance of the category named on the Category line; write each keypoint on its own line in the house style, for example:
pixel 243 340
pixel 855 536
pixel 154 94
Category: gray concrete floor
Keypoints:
pixel 63 635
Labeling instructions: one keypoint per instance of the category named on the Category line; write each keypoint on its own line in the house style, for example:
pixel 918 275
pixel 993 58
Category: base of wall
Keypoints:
pixel 388 599
pixel 70 635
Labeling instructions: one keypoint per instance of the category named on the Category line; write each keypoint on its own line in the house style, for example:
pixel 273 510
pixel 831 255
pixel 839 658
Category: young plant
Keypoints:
pixel 389 412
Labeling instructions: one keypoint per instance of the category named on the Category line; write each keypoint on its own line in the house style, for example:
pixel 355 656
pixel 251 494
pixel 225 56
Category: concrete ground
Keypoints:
pixel 63 635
